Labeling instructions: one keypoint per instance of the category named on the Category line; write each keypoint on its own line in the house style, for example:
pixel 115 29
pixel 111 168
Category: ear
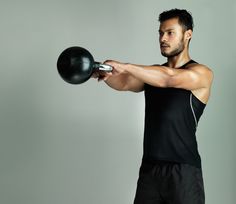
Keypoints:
pixel 188 34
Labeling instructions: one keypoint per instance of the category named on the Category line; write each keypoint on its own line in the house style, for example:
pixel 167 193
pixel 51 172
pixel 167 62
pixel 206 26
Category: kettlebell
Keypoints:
pixel 76 65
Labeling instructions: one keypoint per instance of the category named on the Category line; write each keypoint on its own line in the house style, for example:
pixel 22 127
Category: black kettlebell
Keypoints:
pixel 76 65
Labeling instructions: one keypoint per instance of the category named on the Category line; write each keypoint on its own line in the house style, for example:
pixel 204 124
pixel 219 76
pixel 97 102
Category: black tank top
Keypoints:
pixel 171 118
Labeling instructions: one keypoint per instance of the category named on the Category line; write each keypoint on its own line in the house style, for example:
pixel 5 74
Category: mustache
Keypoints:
pixel 164 44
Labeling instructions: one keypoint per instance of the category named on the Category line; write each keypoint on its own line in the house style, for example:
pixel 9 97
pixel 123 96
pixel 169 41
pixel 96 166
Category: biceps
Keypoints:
pixel 188 80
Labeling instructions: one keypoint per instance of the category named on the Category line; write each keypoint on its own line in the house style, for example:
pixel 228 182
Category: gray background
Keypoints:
pixel 61 143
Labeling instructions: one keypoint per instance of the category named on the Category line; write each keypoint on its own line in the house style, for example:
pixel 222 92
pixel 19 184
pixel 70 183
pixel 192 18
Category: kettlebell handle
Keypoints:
pixel 102 67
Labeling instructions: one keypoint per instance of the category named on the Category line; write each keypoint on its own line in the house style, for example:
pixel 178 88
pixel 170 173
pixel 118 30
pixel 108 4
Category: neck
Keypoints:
pixel 179 60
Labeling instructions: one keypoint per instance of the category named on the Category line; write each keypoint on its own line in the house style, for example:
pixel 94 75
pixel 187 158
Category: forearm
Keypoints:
pixel 118 82
pixel 125 82
pixel 153 75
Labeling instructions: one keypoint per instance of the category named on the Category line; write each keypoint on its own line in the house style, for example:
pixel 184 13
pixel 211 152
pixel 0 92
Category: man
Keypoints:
pixel 176 94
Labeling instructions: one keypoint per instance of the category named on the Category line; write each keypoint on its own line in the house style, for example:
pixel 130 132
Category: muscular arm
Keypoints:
pixel 121 81
pixel 196 78
pixel 125 82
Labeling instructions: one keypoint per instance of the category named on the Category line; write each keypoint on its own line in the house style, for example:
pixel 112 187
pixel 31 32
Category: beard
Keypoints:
pixel 176 51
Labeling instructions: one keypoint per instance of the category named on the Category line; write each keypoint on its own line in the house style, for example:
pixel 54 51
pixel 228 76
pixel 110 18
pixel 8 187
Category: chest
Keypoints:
pixel 166 98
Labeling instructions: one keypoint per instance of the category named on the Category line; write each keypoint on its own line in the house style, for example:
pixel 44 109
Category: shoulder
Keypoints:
pixel 202 70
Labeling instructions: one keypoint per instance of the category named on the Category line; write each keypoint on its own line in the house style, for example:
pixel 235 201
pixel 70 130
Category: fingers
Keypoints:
pixel 111 63
pixel 101 75
pixel 95 75
pixel 107 76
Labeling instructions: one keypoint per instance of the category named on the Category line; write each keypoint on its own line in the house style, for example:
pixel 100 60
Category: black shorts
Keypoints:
pixel 169 183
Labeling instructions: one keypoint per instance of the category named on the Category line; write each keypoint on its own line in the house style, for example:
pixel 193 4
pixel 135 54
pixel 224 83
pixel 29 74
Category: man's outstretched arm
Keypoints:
pixel 120 81
pixel 133 77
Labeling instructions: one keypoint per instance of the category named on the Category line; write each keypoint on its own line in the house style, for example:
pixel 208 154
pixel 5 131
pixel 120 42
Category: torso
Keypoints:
pixel 171 118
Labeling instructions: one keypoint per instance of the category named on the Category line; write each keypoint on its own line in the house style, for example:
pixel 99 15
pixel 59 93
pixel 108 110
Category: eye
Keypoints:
pixel 170 33
pixel 161 33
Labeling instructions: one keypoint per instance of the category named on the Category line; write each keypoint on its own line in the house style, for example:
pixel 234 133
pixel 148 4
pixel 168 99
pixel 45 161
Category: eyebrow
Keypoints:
pixel 170 29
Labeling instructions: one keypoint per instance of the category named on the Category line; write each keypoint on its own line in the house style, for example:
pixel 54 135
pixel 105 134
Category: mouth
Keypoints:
pixel 164 46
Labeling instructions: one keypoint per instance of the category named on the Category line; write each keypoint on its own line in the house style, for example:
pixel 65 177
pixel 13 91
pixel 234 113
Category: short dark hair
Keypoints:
pixel 185 18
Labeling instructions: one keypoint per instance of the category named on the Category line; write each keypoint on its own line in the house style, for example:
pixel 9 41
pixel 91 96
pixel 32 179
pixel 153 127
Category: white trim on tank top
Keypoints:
pixel 191 105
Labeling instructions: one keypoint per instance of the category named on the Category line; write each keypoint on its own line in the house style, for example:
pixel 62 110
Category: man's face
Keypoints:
pixel 171 38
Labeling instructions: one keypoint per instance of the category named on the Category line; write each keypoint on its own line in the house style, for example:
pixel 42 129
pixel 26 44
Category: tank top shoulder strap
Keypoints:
pixel 183 66
pixel 187 63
